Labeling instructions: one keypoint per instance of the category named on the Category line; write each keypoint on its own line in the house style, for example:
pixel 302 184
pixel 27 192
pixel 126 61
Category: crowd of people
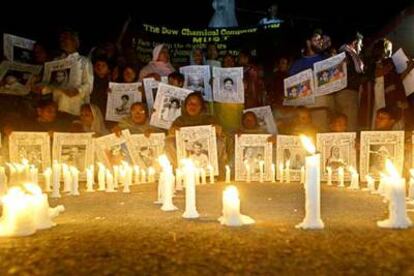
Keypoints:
pixel 79 107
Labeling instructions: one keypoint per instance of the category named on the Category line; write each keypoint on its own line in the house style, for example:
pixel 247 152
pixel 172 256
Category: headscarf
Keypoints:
pixel 98 125
pixel 160 67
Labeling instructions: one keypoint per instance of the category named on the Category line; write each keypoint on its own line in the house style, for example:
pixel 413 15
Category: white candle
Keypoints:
pixel 341 178
pixel 329 171
pixel 56 180
pixel 151 175
pixel 143 176
pixel 197 176
pixel 47 174
pixel 34 175
pixel 261 171
pixel 190 191
pixel 354 179
pixel 381 185
pixel 90 173
pixel 12 173
pixel 101 177
pixel 231 209
pixel 67 178
pixel 109 182
pixel 127 178
pixel 312 218
pixel 211 173
pixel 168 185
pixel 248 172
pixel 273 173
pixel 302 175
pixel 370 183
pixel 116 176
pixel 203 176
pixel 411 185
pixel 228 174
pixel 397 210
pixel 40 207
pixel 287 171
pixel 136 174
pixel 281 172
pixel 178 180
pixel 75 181
pixel 26 171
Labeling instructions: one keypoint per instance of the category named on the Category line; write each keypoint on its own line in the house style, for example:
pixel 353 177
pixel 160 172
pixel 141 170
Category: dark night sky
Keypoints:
pixel 105 22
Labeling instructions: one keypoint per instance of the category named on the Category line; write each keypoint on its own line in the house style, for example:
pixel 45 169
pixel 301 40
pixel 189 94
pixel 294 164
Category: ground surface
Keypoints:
pixel 125 234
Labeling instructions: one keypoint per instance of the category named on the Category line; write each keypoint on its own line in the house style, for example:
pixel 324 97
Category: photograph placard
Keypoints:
pixel 15 78
pixel 199 144
pixel 376 147
pixel 146 150
pixel 252 149
pixel 228 85
pixel 150 88
pixel 122 96
pixel 337 150
pixel 32 146
pixel 197 78
pixel 290 148
pixel 299 89
pixel 265 118
pixel 18 49
pixel 330 75
pixel 62 73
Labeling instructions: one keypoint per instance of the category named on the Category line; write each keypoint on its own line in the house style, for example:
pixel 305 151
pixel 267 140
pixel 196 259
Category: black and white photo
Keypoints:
pixel 197 78
pixel 120 99
pixel 228 85
pixel 18 49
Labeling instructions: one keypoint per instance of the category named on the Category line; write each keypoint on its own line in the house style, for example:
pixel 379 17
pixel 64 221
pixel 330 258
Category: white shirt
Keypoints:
pixel 83 82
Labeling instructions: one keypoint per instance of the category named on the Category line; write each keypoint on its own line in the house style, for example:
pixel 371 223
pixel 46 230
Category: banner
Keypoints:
pixel 181 41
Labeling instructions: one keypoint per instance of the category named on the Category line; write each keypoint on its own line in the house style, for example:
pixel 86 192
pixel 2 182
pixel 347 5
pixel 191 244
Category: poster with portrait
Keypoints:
pixel 337 150
pixel 252 149
pixel 146 150
pixel 122 96
pixel 18 49
pixel 228 85
pixel 74 149
pixel 290 148
pixel 265 118
pixel 112 150
pixel 32 146
pixel 167 105
pixel 150 89
pixel 197 78
pixel 15 78
pixel 199 144
pixel 330 75
pixel 62 73
pixel 299 89
pixel 376 147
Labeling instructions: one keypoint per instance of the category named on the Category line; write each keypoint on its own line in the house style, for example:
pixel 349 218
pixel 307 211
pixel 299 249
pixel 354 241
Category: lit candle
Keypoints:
pixel 287 174
pixel 370 183
pixel 341 178
pixel 12 173
pixel 248 173
pixel 231 209
pixel 397 210
pixel 143 176
pixel 211 174
pixel 136 174
pixel 203 176
pixel 151 175
pixel 40 207
pixel 167 184
pixel 67 178
pixel 127 179
pixel 190 191
pixel 261 171
pixel 281 172
pixel 197 176
pixel 89 179
pixel 228 174
pixel 354 179
pixel 116 176
pixel 56 180
pixel 47 174
pixel 75 181
pixel 101 177
pixel 34 175
pixel 411 185
pixel 273 173
pixel 312 218
pixel 178 180
pixel 329 170
pixel 381 185
pixel 26 170
pixel 109 182
pixel 302 175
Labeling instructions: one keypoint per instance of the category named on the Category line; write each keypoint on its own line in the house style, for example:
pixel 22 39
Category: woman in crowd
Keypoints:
pixel 160 63
pixel 137 122
pixel 90 120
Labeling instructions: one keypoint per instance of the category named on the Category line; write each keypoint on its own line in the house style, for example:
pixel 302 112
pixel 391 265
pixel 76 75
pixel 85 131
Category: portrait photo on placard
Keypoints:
pixel 290 148
pixel 228 85
pixel 74 155
pixel 114 150
pixel 15 77
pixel 147 149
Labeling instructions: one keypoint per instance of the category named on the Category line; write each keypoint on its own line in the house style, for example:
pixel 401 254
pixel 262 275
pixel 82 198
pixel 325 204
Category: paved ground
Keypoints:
pixel 125 234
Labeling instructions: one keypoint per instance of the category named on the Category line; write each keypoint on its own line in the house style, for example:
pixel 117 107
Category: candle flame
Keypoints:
pixel 33 188
pixel 231 194
pixel 151 170
pixel 391 170
pixel 307 144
